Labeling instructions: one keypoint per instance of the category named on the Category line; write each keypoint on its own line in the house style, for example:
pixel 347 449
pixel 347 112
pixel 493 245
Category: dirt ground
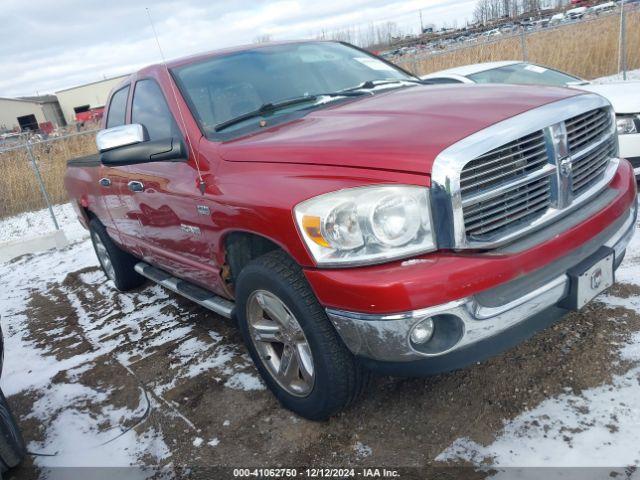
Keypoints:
pixel 399 423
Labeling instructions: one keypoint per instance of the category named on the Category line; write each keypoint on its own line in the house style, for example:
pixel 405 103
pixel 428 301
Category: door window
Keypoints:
pixel 118 108
pixel 151 110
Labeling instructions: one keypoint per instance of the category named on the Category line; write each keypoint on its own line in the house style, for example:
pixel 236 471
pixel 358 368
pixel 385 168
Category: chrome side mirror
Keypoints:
pixel 121 136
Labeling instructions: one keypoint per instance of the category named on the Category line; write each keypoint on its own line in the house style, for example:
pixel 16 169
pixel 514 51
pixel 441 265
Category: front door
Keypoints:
pixel 164 198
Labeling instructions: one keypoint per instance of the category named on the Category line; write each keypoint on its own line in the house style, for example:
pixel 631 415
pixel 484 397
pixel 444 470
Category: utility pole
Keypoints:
pixel 421 24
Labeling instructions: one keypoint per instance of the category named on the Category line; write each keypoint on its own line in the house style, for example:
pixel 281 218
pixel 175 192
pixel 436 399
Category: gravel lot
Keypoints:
pixel 101 378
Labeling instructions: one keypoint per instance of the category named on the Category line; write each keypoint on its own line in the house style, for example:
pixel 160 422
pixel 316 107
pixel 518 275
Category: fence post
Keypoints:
pixel 41 182
pixel 523 41
pixel 622 65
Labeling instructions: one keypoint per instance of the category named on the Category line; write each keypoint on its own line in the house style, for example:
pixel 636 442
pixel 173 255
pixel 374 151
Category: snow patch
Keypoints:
pixel 34 224
pixel 80 423
pixel 631 75
pixel 597 428
pixel 244 381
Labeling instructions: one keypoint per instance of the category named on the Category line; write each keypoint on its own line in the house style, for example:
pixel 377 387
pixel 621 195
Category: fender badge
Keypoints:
pixel 262 123
pixel 190 229
pixel 203 210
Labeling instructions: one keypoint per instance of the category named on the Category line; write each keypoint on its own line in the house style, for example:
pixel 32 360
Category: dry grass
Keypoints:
pixel 19 189
pixel 588 49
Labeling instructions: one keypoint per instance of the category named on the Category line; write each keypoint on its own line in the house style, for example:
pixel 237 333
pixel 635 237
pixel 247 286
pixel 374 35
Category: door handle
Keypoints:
pixel 136 186
pixel 105 182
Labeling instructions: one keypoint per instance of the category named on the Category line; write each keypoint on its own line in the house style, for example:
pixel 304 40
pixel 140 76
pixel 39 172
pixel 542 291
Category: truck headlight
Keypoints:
pixel 365 225
pixel 628 124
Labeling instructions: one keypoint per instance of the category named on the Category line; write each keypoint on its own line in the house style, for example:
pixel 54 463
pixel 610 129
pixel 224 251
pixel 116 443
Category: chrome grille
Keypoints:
pixel 584 129
pixel 529 181
pixel 590 168
pixel 518 205
pixel 504 163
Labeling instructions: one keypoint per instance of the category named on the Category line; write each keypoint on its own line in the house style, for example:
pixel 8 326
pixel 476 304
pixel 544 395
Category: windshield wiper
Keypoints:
pixel 371 84
pixel 272 107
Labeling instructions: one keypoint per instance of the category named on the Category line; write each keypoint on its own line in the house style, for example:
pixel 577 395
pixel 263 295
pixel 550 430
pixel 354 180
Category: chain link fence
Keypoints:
pixel 32 171
pixel 589 48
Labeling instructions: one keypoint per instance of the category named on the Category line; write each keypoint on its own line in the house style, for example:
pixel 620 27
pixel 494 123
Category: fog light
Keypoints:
pixel 422 331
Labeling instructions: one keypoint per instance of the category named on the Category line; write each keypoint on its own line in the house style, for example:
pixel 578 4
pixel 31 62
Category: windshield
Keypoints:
pixel 226 87
pixel 524 73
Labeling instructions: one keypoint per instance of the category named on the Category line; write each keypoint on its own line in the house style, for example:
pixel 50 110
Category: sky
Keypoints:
pixel 46 46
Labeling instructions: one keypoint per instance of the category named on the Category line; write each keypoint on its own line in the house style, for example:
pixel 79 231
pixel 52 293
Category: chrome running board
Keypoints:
pixel 202 297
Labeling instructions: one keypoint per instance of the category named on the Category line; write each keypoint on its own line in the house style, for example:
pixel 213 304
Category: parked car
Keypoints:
pixel 624 96
pixel 576 13
pixel 350 217
pixel 602 8
pixel 12 449
pixel 557 19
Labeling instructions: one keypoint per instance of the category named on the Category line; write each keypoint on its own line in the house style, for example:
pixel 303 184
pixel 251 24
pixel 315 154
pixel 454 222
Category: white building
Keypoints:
pixel 28 113
pixel 85 97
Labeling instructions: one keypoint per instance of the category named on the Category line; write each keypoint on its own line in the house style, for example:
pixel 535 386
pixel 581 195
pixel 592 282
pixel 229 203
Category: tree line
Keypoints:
pixel 489 10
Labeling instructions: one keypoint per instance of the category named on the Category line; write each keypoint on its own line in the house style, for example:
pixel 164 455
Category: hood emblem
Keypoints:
pixel 566 166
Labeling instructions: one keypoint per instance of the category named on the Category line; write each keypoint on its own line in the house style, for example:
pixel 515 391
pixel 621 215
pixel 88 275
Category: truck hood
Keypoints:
pixel 401 130
pixel 623 95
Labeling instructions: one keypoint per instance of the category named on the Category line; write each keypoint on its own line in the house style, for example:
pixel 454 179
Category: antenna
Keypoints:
pixel 201 183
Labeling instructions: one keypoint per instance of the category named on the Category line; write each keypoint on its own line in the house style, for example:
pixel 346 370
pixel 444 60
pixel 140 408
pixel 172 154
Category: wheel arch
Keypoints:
pixel 239 247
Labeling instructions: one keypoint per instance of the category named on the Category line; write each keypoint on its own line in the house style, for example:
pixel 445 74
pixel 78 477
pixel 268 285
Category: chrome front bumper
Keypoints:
pixel 385 338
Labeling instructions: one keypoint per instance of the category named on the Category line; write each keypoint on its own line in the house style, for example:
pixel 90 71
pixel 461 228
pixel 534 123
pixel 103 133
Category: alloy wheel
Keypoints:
pixel 103 256
pixel 281 343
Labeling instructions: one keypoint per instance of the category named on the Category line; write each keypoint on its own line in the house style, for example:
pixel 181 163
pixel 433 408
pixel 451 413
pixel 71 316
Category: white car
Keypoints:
pixel 624 96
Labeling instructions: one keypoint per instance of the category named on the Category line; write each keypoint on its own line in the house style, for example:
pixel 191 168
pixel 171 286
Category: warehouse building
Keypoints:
pixel 84 98
pixel 30 113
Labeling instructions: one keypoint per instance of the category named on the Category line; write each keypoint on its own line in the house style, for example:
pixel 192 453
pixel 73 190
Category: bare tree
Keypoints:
pixel 489 10
pixel 264 38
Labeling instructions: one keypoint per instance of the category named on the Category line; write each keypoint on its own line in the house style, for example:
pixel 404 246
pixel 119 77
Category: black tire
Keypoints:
pixel 123 273
pixel 339 379
pixel 12 449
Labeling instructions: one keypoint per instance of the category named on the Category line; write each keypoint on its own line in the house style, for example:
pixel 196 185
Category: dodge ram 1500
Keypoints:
pixel 350 217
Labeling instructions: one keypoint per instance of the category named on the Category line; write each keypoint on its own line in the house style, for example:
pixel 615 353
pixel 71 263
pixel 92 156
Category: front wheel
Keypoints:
pixel 292 342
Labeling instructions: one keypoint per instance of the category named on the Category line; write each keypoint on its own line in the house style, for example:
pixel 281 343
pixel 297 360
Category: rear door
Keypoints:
pixel 166 197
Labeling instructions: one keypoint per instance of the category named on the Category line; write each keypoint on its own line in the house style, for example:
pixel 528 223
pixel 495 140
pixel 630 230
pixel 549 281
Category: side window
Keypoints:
pixel 150 109
pixel 118 108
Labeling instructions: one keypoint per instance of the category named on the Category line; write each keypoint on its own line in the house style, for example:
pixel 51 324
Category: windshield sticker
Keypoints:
pixel 374 64
pixel 310 55
pixel 535 68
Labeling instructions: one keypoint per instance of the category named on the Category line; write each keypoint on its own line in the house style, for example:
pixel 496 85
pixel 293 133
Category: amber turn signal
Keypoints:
pixel 312 228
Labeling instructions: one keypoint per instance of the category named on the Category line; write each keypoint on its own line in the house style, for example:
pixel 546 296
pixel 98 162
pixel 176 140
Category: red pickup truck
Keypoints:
pixel 352 218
